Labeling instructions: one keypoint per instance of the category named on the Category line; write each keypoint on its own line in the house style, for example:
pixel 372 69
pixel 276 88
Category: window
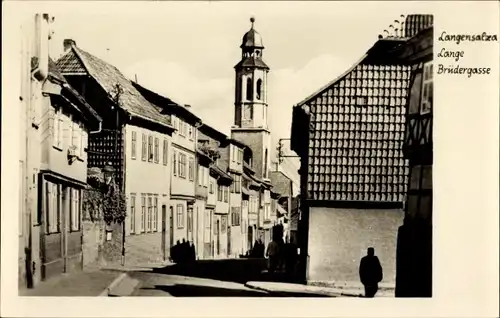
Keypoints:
pixel 233 183
pixel 220 191
pixel 75 210
pixel 150 148
pixel 58 128
pixel 182 165
pixel 239 159
pixel 249 89
pixel 182 128
pixel 427 89
pixel 53 207
pixel 207 173
pixel 157 150
pixel 226 194
pixel 207 218
pixel 174 154
pixel 150 214
pixel 259 89
pixel 180 216
pixel 191 169
pixel 176 123
pixel 165 151
pixel 190 220
pixel 190 132
pixel 155 214
pixel 144 147
pixel 235 216
pixel 237 184
pixel 211 189
pixel 265 172
pixel 134 145
pixel 223 223
pixel 83 140
pixel 76 139
pixel 132 213
pixel 200 175
pixel 267 211
pixel 143 214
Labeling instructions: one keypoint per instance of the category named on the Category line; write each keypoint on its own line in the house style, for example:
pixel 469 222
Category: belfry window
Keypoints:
pixel 249 89
pixel 259 89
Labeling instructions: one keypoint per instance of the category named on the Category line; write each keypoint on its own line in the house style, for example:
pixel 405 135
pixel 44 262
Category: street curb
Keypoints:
pixel 288 293
pixel 113 284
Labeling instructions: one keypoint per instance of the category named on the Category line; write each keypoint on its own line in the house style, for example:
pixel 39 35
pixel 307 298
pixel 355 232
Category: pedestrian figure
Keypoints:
pixel 260 249
pixel 184 251
pixel 192 253
pixel 273 256
pixel 370 272
pixel 175 252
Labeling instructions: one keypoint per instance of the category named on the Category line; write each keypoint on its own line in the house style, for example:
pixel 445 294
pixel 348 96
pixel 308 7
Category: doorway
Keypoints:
pixel 164 231
pixel 218 237
pixel 250 238
pixel 171 225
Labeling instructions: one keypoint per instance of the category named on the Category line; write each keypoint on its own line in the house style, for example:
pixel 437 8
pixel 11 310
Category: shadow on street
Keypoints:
pixel 231 270
pixel 186 290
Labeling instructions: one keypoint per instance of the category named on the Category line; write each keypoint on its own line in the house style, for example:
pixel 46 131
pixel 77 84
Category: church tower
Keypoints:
pixel 251 108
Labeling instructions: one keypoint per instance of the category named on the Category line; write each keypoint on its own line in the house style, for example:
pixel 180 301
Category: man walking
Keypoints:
pixel 370 272
pixel 273 254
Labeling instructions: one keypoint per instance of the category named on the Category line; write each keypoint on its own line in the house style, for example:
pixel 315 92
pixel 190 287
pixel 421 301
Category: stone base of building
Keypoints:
pixel 338 239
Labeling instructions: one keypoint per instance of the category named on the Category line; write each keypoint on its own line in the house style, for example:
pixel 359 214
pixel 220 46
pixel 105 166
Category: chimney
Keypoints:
pixel 187 106
pixel 68 43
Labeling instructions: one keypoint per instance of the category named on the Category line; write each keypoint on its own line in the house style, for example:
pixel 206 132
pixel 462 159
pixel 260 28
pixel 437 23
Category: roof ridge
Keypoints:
pixel 338 78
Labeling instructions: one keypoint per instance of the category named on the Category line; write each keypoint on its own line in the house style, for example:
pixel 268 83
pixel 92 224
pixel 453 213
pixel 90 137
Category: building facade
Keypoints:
pixel 135 138
pixel 210 141
pixel 57 121
pixel 353 173
pixel 414 257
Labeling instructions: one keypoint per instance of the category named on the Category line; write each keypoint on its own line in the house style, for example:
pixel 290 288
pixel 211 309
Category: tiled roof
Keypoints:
pixel 356 130
pixel 55 72
pixel 71 64
pixel 251 62
pixel 415 23
pixel 281 183
pixel 76 60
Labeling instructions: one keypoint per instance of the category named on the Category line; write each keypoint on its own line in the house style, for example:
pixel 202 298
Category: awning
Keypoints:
pixel 281 210
pixel 245 191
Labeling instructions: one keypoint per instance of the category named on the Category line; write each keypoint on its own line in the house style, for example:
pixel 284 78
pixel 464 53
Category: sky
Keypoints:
pixel 187 51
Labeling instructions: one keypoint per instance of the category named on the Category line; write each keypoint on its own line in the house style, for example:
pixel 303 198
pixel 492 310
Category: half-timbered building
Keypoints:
pixel 135 138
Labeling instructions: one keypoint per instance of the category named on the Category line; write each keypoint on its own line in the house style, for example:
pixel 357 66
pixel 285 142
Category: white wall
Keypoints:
pixel 338 238
pixel 144 177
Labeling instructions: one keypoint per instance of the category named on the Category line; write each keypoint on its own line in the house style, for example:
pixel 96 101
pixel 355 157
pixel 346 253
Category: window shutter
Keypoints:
pixel 133 145
pixel 165 151
pixel 144 146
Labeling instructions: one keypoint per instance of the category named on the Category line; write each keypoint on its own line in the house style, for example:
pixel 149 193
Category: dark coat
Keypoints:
pixel 370 271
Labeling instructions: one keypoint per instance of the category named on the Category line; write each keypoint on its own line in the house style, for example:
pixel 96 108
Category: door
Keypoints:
pixel 164 231
pixel 250 237
pixel 218 237
pixel 190 225
pixel 171 221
